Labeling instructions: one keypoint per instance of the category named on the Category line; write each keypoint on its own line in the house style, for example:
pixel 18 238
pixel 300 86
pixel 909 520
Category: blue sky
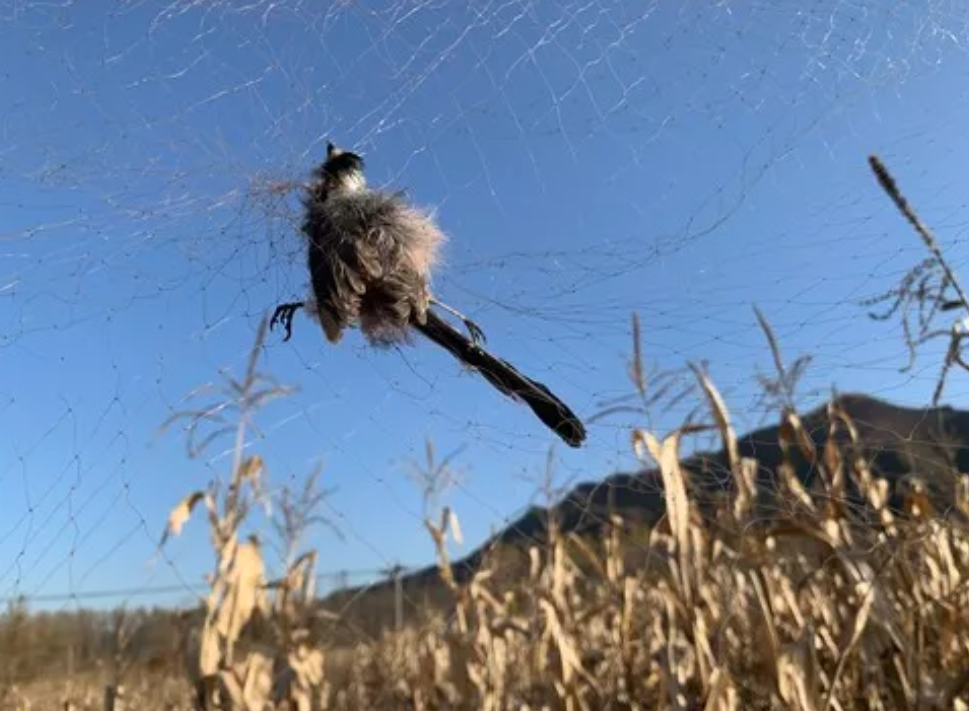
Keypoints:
pixel 588 160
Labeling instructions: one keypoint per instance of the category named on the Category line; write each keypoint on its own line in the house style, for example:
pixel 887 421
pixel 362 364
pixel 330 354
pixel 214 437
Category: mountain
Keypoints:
pixel 932 443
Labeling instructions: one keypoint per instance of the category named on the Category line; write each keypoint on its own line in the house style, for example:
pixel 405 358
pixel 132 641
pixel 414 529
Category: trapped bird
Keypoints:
pixel 371 259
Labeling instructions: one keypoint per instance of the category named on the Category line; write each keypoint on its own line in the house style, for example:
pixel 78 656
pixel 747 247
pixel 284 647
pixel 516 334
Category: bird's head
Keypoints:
pixel 341 173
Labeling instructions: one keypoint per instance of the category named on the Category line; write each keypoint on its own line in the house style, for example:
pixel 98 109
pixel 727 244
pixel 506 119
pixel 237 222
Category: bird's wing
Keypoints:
pixel 338 286
pixel 342 269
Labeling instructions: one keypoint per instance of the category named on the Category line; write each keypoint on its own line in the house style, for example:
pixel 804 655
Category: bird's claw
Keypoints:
pixel 284 315
pixel 477 335
pixel 474 330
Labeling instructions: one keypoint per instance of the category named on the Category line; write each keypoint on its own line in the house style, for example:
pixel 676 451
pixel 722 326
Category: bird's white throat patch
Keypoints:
pixel 352 181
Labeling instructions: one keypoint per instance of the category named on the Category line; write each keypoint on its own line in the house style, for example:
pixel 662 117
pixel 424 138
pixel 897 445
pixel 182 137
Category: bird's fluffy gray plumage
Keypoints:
pixel 371 259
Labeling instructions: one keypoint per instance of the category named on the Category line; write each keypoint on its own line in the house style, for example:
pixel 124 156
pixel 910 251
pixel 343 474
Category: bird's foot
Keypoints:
pixel 474 330
pixel 284 315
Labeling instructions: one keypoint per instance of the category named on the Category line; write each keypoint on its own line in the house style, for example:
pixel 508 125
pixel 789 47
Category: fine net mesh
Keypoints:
pixel 588 160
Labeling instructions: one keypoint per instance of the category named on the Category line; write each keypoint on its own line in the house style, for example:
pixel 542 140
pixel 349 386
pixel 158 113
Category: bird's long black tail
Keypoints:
pixel 553 412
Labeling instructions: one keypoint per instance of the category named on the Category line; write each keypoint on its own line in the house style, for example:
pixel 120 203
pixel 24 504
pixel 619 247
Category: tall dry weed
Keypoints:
pixel 254 649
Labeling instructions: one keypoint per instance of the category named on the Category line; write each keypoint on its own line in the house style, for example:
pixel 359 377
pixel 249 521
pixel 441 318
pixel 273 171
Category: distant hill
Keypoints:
pixel 897 441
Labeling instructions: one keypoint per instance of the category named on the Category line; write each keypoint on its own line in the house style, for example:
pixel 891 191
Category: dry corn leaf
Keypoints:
pixel 454 526
pixel 667 455
pixel 180 514
pixel 801 436
pixel 243 595
pixel 798 674
pixel 962 494
pixel 867 589
pixel 722 696
pixel 249 682
pixel 719 409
